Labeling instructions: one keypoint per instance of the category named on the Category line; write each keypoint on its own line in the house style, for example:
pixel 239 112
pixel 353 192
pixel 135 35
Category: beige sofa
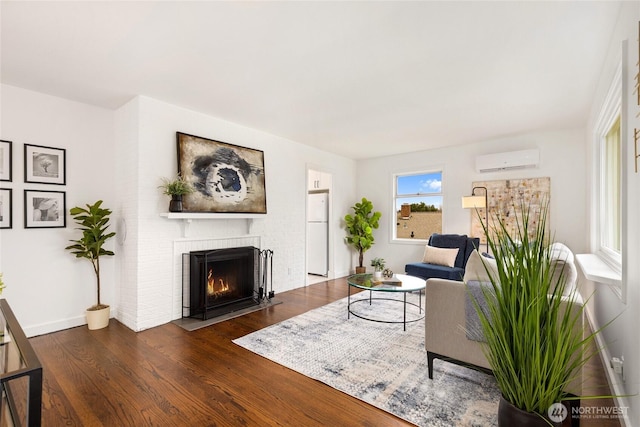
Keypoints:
pixel 445 320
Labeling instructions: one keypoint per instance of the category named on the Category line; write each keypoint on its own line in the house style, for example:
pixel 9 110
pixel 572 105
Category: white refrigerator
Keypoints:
pixel 318 234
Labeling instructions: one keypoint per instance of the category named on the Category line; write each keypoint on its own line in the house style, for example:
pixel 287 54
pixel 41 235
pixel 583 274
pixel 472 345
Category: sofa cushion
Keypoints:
pixel 458 241
pixel 475 269
pixel 428 271
pixel 440 256
pixel 561 259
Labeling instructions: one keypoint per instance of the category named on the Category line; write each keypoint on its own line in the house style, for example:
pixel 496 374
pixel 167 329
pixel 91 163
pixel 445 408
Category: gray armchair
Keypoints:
pixel 446 320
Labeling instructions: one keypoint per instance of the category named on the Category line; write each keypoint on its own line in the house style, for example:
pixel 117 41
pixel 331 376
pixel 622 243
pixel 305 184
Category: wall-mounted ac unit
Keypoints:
pixel 508 161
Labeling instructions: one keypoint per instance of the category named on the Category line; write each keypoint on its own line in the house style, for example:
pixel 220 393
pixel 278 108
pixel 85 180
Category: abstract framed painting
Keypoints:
pixel 6 208
pixel 5 160
pixel 225 177
pixel 45 209
pixel 44 165
pixel 506 198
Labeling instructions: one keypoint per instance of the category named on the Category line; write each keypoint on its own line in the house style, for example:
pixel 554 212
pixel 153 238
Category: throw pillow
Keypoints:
pixel 475 269
pixel 440 256
pixel 562 264
pixel 452 241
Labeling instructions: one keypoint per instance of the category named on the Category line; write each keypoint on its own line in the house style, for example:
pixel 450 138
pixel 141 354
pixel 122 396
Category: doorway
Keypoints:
pixel 319 226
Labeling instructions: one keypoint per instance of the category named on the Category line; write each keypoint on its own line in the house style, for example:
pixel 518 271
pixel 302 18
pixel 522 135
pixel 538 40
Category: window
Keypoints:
pixel 418 204
pixel 608 212
pixel 610 203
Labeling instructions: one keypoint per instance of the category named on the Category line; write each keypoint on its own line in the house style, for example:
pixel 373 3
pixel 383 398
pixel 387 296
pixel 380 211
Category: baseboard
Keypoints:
pixel 612 378
pixel 59 325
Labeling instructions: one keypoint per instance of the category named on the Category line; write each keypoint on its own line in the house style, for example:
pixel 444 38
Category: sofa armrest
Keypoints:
pixel 445 323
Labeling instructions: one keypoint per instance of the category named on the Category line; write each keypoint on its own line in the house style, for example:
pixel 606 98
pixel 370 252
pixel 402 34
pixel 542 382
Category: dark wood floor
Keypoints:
pixel 166 376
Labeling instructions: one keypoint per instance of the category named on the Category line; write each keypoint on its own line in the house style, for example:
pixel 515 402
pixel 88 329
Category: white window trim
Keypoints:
pixel 610 256
pixel 611 109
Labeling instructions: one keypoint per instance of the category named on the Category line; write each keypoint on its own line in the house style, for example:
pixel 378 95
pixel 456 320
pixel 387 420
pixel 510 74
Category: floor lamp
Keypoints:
pixel 477 202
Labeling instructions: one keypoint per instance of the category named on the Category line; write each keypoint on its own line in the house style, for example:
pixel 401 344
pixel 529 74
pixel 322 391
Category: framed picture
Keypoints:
pixel 5 160
pixel 225 177
pixel 44 165
pixel 505 199
pixel 44 209
pixel 6 208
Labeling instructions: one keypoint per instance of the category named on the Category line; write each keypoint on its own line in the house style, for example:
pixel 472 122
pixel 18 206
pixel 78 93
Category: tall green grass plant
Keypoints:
pixel 534 346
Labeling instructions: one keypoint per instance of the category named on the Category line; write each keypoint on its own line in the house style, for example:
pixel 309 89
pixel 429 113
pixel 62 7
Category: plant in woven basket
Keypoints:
pixel 360 227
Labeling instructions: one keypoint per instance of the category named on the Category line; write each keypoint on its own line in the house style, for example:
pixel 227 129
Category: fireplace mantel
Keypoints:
pixel 209 215
pixel 188 217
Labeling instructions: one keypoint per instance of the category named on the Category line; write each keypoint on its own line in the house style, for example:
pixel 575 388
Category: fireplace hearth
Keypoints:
pixel 219 281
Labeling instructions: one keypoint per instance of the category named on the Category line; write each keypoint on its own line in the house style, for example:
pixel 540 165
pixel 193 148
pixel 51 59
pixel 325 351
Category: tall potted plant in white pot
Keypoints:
pixel 93 222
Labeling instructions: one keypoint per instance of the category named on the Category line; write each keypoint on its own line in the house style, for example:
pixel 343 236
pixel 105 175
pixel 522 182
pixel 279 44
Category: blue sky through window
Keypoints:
pixel 420 184
pixel 428 186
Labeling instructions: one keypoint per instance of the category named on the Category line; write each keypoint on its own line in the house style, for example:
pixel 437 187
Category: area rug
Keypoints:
pixel 379 364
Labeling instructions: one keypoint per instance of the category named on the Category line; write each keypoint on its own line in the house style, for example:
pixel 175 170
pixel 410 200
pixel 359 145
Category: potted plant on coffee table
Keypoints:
pixel 93 221
pixel 176 188
pixel 533 344
pixel 360 228
pixel 378 266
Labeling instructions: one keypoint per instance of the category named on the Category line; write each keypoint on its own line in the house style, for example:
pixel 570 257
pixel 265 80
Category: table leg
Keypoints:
pixel 349 303
pixel 405 312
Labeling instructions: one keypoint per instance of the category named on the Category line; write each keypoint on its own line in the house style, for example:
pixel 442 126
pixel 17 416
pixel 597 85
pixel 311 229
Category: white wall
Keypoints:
pixel 562 156
pixel 48 288
pixel 120 157
pixel 621 336
pixel 148 128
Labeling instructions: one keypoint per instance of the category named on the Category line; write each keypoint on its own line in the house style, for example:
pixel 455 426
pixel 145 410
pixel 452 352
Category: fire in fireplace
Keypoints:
pixel 221 281
pixel 216 286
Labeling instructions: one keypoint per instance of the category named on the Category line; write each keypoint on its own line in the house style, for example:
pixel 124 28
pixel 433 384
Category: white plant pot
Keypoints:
pixel 377 274
pixel 98 319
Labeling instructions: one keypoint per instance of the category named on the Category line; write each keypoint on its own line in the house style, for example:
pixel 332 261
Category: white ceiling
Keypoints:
pixel 361 79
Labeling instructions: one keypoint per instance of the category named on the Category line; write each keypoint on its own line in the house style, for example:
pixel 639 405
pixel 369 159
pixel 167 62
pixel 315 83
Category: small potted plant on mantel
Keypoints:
pixel 176 188
pixel 93 222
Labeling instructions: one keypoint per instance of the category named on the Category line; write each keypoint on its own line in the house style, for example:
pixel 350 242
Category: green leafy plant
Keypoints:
pixel 533 345
pixel 2 285
pixel 176 187
pixel 360 227
pixel 93 222
pixel 378 264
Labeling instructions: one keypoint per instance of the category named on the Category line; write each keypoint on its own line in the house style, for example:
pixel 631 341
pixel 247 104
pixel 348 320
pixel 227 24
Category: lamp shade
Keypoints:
pixel 471 202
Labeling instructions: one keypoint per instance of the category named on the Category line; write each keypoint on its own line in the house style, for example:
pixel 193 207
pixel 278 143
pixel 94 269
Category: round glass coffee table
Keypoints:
pixel 399 283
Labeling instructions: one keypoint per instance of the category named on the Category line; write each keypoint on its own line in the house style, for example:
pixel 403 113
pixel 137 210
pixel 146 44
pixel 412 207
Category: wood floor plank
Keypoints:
pixel 166 376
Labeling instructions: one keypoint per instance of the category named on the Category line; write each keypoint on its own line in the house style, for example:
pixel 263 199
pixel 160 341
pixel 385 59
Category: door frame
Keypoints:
pixel 330 221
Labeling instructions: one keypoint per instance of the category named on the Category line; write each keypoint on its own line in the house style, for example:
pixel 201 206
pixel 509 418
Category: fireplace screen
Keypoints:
pixel 220 281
